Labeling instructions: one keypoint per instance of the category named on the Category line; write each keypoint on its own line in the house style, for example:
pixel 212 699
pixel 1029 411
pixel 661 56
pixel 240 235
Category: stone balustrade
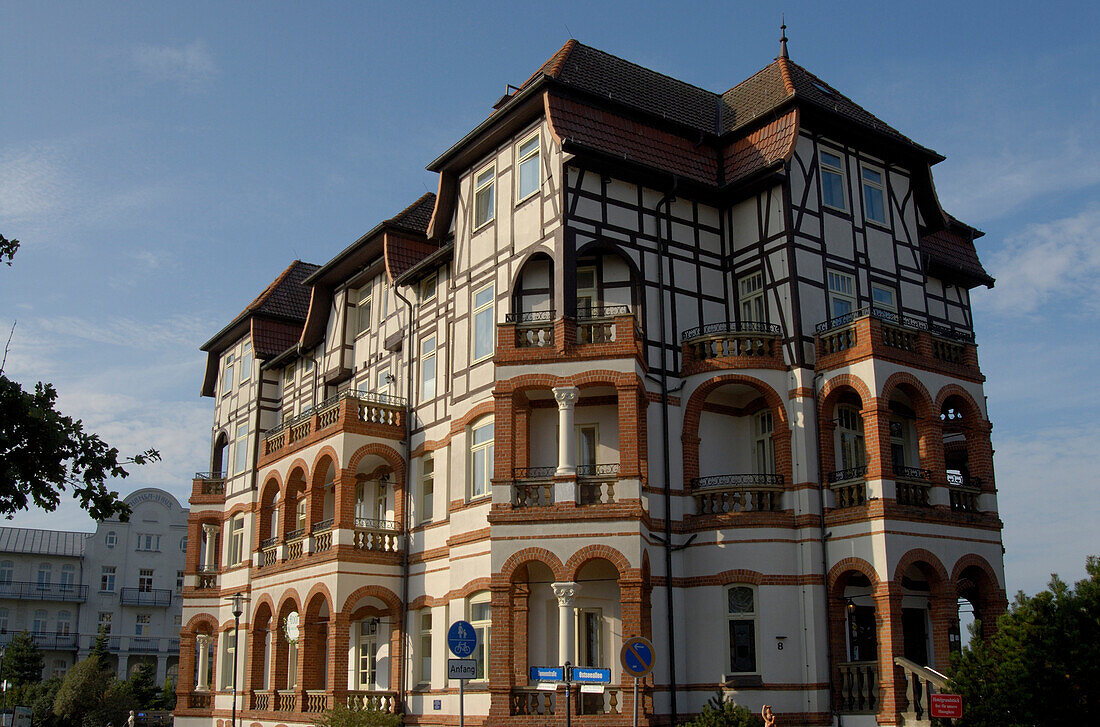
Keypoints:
pixel 858 687
pixel 731 345
pixel 731 493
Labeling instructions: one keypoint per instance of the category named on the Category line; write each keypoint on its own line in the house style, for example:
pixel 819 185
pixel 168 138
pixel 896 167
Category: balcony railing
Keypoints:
pixel 598 470
pixel 211 483
pixel 156 597
pixel 771 329
pixel 533 473
pixel 371 408
pixel 731 344
pixel 534 329
pixel 858 687
pixel 532 494
pixel 32 591
pixel 741 492
pixel 376 535
pixel 144 644
pixel 900 333
pixel 44 641
pixel 383 701
pixel 850 473
pixel 912 473
pixel 596 324
pixel 528 701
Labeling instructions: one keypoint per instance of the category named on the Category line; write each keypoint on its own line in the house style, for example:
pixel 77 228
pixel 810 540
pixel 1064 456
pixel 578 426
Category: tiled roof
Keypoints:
pixel 763 147
pixel 953 249
pixel 286 297
pixel 402 253
pixel 42 542
pixel 270 338
pixel 416 216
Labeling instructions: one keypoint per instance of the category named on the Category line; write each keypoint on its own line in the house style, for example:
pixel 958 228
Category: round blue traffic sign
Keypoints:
pixel 461 639
pixel 637 656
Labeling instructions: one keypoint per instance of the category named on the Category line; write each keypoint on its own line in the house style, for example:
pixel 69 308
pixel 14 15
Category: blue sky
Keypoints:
pixel 163 162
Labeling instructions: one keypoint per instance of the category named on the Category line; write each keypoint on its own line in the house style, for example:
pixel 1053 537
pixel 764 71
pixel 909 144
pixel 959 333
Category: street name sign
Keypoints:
pixel 590 675
pixel 547 674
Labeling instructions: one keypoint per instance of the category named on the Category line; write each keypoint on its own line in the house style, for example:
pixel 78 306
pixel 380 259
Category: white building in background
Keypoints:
pixel 127 578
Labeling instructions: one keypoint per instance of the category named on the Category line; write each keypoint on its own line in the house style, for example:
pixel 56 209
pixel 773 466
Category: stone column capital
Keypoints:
pixel 203 640
pixel 566 396
pixel 211 528
pixel 565 592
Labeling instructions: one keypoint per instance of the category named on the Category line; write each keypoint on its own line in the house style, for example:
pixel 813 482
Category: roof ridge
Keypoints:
pixel 650 70
pixel 419 201
pixel 48 530
pixel 259 299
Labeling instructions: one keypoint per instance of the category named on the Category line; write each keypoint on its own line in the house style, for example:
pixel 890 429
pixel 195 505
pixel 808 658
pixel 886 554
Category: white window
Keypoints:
pixel 485 205
pixel 751 289
pixel 527 179
pixel 145 580
pixel 588 294
pixel 45 572
pixel 240 450
pixel 290 371
pixel 427 488
pixel 40 618
pixel 427 288
pixel 883 297
pixel 842 294
pixel 142 624
pixel 64 623
pixel 899 445
pixel 68 577
pixel 425 661
pixel 383 303
pixel 236 540
pixel 307 363
pixel 763 448
pixel 367 671
pixel 148 542
pixel 246 363
pixel 111 539
pixel 382 381
pixel 427 368
pixel 874 194
pixel 741 611
pixel 179 581
pixel 227 374
pixel 481 458
pixel 7 572
pixel 362 312
pixel 590 651
pixel 588 442
pixel 60 666
pixel 107 579
pixel 103 622
pixel 832 179
pixel 484 319
pixel 481 619
pixel 850 433
pixel 229 656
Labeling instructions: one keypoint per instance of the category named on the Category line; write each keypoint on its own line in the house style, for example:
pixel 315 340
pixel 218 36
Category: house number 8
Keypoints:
pixel 779 645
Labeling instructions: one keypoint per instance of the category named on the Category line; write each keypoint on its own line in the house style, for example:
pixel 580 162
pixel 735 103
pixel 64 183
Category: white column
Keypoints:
pixel 566 396
pixel 203 640
pixel 565 593
pixel 211 545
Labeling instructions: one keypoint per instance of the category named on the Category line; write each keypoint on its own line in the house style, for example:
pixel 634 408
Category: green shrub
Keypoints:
pixel 722 712
pixel 341 716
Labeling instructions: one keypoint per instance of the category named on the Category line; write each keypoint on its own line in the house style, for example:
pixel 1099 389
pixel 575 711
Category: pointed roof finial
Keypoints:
pixel 783 37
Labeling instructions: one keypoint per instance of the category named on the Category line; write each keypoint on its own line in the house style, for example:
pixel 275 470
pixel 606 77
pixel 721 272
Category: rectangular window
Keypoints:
pixel 3 620
pixel 40 619
pixel 588 439
pixel 64 623
pixel 832 180
pixel 60 666
pixel 7 572
pixel 481 459
pixel 763 447
pixel 229 656
pixel 68 577
pixel 382 381
pixel 862 639
pixel 427 368
pixel 589 637
pixel 842 294
pixel 751 290
pixel 383 303
pixel 850 430
pixel 107 579
pixel 425 664
pixel 427 288
pixel 45 572
pixel 874 194
pixel 141 627
pixel 527 180
pixel 290 372
pixel 481 620
pixel 485 205
pixel 240 450
pixel 246 363
pixel 484 319
pixel 368 654
pixel 227 374
pixel 883 297
pixel 179 581
pixel 148 542
pixel 741 610
pixel 236 540
pixel 588 295
pixel 307 363
pixel 427 488
pixel 145 580
pixel 362 312
pixel 103 622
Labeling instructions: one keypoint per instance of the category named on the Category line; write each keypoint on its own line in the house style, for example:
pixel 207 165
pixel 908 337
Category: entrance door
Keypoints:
pixel 914 627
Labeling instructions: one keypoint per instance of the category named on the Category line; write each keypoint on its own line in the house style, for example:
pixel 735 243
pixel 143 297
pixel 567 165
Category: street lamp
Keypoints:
pixel 238 609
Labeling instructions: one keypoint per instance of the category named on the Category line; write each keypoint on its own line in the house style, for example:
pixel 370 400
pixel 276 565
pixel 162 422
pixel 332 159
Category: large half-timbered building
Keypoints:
pixel 654 361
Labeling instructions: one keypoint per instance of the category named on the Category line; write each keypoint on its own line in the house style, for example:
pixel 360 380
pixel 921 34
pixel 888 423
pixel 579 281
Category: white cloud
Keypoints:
pixel 178 330
pixel 189 65
pixel 1047 261
pixel 32 182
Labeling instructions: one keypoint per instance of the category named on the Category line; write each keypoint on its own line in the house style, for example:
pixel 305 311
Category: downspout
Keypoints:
pixel 824 554
pixel 408 487
pixel 662 332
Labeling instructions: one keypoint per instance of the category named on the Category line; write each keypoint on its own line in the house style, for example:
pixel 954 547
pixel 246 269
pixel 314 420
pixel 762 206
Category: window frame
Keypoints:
pixel 880 187
pixel 763 439
pixel 228 379
pixel 363 309
pixel 523 159
pixel 246 363
pixel 851 440
pixel 877 287
pixel 427 357
pixel 579 435
pixel 367 634
pixel 107 576
pixel 428 297
pixel 754 295
pixel 580 648
pixel 476 311
pixel 835 294
pixel 824 167
pixel 240 450
pixel 236 540
pixel 145 580
pixel 484 629
pixel 424 641
pixel 473 449
pixel 142 623
pixel 427 489
pixel 7 572
pixel 488 187
pixel 733 617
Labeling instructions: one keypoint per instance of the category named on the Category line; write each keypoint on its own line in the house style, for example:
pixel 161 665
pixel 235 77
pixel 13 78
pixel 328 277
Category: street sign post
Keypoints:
pixel 637 657
pixel 462 640
pixel 945 706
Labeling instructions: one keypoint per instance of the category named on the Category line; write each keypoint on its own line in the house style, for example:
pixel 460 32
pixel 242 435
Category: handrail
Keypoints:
pixel 896 318
pixel 209 476
pixel 731 327
pixel 535 316
pixel 737 480
pixel 849 473
pixel 913 473
pixel 375 524
pixel 602 311
pixel 597 470
pixel 928 673
pixel 533 473
pixel 370 397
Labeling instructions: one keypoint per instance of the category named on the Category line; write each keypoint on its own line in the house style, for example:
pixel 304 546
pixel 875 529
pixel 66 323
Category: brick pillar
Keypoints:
pixel 397 649
pixel 194 545
pixel 781 443
pixel 185 678
pixel 504 433
pixel 521 595
pixel 345 499
pixel 891 642
pixel 339 638
pixel 315 502
pixel 280 659
pixel 979 453
pixel 521 456
pixel 630 604
pixel 826 429
pixel 255 663
pixel 930 447
pixel 501 651
pixel 629 444
pixel 943 611
pixel 876 434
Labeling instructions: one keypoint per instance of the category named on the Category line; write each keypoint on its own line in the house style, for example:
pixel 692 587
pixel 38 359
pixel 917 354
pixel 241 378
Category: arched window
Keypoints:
pixel 481 457
pixel 741 613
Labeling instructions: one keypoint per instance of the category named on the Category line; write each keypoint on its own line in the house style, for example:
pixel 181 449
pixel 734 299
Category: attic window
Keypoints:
pixel 822 87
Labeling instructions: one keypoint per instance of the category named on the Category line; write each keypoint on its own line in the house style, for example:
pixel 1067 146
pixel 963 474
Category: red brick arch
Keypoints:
pixel 387 453
pixel 541 555
pixel 598 552
pixel 198 620
pixel 839 383
pixel 740 575
pixel 477 585
pixel 595 377
pixel 290 595
pixel 320 588
pixel 263 600
pixel 298 464
pixel 383 594
pixel 326 451
pixel 972 560
pixel 917 390
pixel 852 564
pixel 955 390
pixel 920 555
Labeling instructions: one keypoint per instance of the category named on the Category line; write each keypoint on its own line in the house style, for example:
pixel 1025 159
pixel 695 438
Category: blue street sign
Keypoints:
pixel 591 675
pixel 547 674
pixel 461 639
pixel 637 656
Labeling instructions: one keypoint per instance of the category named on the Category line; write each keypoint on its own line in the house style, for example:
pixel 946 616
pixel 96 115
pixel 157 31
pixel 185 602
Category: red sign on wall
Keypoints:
pixel 947 706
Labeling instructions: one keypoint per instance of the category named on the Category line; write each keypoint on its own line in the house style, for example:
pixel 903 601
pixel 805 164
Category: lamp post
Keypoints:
pixel 238 609
pixel 3 650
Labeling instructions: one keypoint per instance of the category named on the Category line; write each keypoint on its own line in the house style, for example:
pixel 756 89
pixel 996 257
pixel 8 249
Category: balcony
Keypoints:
pixel 207 578
pixel 608 331
pixel 734 493
pixel 849 486
pixel 912 486
pixel 44 641
pixel 31 591
pixel 369 535
pixel 154 597
pixel 208 488
pixel 883 334
pixel 534 486
pixel 731 345
pixel 353 412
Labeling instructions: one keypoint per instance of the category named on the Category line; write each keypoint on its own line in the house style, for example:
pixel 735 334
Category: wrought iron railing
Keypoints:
pixel 43 591
pixel 602 311
pixel 295 534
pixel 912 473
pixel 535 316
pixel 375 523
pixel 209 476
pixel 144 644
pixel 731 327
pixel 898 319
pixel 533 473
pixel 323 525
pixel 736 480
pixel 957 479
pixel 44 641
pixel 156 597
pixel 208 568
pixel 597 470
pixel 849 473
pixel 268 542
pixel 288 423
